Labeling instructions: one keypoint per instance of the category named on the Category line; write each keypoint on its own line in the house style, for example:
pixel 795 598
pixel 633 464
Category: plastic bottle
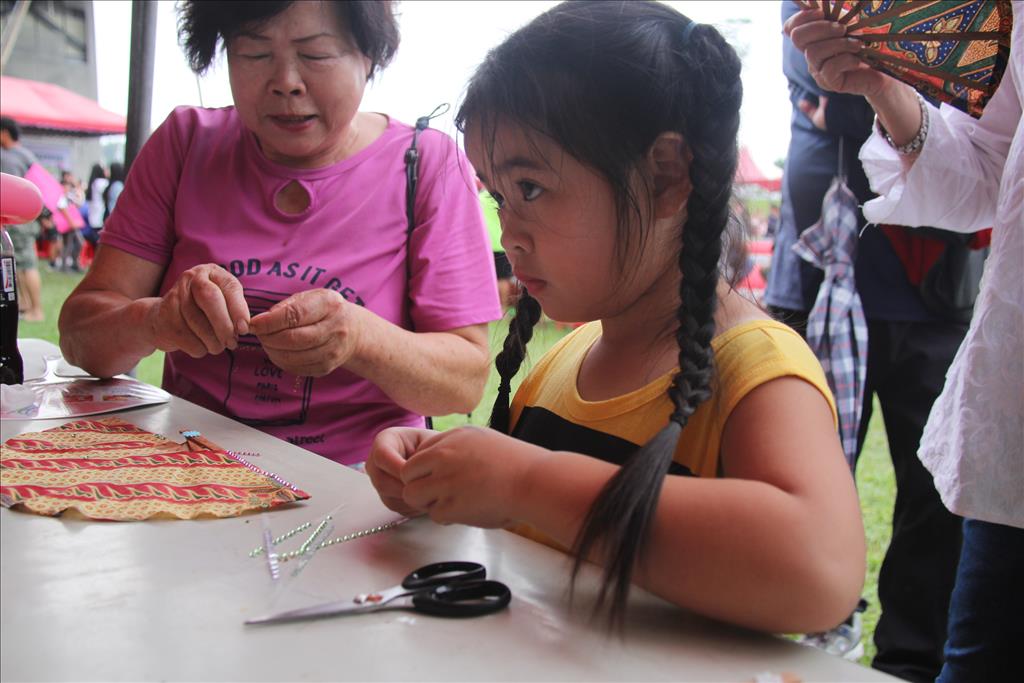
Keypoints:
pixel 12 369
pixel 20 202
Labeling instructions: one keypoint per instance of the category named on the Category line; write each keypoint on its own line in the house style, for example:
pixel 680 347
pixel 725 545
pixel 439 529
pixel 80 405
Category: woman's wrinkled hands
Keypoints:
pixel 203 313
pixel 469 475
pixel 310 333
pixel 832 56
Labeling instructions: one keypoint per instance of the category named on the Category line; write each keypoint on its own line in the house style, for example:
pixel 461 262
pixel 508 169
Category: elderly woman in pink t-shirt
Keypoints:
pixel 264 247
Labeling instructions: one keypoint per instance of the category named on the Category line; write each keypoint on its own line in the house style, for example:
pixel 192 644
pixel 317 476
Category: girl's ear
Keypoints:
pixel 668 161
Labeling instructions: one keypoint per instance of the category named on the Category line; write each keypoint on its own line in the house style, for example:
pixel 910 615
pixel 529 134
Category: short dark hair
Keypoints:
pixel 11 126
pixel 201 23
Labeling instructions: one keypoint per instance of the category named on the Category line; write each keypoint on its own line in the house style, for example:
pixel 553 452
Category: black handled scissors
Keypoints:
pixel 444 589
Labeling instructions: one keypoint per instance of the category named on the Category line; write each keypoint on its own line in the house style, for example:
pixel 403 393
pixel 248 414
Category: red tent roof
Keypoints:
pixel 747 173
pixel 44 105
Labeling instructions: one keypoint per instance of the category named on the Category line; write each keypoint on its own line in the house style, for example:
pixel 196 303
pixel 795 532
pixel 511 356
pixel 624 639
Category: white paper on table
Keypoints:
pixel 53 389
pixel 58 397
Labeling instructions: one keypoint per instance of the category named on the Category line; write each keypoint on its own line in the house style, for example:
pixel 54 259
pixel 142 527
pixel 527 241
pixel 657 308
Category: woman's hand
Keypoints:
pixel 832 57
pixel 833 62
pixel 310 333
pixel 203 313
pixel 469 475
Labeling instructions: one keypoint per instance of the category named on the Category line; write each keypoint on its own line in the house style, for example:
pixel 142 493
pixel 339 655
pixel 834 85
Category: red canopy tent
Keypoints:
pixel 42 105
pixel 747 173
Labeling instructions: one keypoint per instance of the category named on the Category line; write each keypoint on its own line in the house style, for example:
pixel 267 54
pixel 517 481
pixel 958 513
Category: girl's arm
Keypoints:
pixel 778 545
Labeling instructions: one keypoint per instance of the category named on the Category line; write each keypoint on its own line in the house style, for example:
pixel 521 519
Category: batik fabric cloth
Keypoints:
pixel 111 469
pixel 954 51
pixel 836 329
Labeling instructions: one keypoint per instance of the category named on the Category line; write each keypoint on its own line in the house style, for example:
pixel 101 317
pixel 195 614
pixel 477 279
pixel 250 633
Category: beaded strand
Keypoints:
pixel 258 470
pixel 195 438
pixel 292 554
pixel 284 557
pixel 255 552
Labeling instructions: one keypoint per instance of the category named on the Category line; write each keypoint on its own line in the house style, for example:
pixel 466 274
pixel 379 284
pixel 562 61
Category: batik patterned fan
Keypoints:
pixel 949 50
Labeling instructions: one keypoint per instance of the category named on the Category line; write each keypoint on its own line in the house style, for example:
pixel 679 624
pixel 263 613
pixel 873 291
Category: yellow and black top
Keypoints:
pixel 548 411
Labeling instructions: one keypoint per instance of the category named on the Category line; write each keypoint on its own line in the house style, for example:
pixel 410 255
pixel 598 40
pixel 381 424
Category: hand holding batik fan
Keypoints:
pixel 948 50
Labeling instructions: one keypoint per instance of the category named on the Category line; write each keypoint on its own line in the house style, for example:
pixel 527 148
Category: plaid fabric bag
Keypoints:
pixel 836 329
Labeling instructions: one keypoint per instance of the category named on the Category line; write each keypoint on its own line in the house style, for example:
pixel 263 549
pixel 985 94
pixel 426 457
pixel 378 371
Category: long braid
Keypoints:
pixel 508 361
pixel 618 523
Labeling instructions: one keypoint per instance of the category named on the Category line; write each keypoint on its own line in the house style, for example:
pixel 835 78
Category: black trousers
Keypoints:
pixel 907 364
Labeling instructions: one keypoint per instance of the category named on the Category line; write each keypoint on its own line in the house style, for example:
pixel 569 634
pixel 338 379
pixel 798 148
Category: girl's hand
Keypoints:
pixel 469 475
pixel 310 333
pixel 391 448
pixel 203 313
pixel 832 57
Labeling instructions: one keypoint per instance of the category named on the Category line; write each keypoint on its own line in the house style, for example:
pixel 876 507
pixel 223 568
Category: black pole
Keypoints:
pixel 140 77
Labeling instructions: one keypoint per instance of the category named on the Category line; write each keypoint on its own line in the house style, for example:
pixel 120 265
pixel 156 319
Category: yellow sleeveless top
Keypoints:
pixel 547 409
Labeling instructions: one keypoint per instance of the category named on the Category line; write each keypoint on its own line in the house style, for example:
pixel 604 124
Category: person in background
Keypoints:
pixel 265 246
pixel 942 167
pixel 911 345
pixel 680 409
pixel 95 189
pixel 772 227
pixel 113 189
pixel 73 205
pixel 508 290
pixel 15 160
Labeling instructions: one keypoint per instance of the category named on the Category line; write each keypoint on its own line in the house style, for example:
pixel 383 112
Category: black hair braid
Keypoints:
pixel 508 361
pixel 619 521
pixel 711 172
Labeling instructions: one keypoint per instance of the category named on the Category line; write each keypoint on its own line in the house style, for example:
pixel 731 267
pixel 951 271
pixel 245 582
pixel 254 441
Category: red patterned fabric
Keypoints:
pixel 111 469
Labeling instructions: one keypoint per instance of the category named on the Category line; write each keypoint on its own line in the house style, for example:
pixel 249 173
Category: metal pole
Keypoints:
pixel 140 77
pixel 11 31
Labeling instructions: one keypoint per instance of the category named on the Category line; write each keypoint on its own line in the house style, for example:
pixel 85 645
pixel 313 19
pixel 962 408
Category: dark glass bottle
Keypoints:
pixel 12 369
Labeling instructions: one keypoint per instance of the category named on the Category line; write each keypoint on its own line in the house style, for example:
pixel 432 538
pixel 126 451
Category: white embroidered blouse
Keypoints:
pixel 969 176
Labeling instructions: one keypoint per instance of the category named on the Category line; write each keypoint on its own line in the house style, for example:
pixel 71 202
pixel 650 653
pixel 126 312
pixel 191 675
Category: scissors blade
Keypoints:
pixel 328 609
pixel 369 602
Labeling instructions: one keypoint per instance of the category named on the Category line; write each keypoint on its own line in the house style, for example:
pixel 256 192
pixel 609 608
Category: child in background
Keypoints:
pixel 99 179
pixel 507 288
pixel 682 439
pixel 70 204
pixel 114 189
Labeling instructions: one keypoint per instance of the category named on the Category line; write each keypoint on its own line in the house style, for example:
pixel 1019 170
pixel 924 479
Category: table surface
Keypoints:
pixel 165 599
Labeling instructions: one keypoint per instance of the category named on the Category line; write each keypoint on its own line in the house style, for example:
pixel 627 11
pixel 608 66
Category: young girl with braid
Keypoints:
pixel 682 439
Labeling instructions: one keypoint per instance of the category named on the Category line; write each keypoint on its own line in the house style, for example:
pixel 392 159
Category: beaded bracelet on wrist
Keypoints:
pixel 917 142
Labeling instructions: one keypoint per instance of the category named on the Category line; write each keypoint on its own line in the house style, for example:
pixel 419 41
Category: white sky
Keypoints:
pixel 442 42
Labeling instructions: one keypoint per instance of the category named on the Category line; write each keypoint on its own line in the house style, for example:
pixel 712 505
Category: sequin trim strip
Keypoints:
pixel 284 557
pixel 258 470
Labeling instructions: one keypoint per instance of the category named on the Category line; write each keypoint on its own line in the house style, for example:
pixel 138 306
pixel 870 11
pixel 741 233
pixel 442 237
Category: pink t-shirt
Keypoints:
pixel 201 191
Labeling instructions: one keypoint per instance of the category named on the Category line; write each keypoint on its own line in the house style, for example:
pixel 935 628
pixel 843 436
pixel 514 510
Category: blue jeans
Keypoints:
pixel 986 612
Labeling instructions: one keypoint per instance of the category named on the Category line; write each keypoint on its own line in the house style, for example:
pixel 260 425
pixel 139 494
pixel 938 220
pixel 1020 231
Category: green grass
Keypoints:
pixel 874 475
pixel 56 288
pixel 876 486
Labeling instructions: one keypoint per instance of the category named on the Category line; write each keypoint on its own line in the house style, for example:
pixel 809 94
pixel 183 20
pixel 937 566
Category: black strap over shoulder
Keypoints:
pixel 412 170
pixel 412 166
